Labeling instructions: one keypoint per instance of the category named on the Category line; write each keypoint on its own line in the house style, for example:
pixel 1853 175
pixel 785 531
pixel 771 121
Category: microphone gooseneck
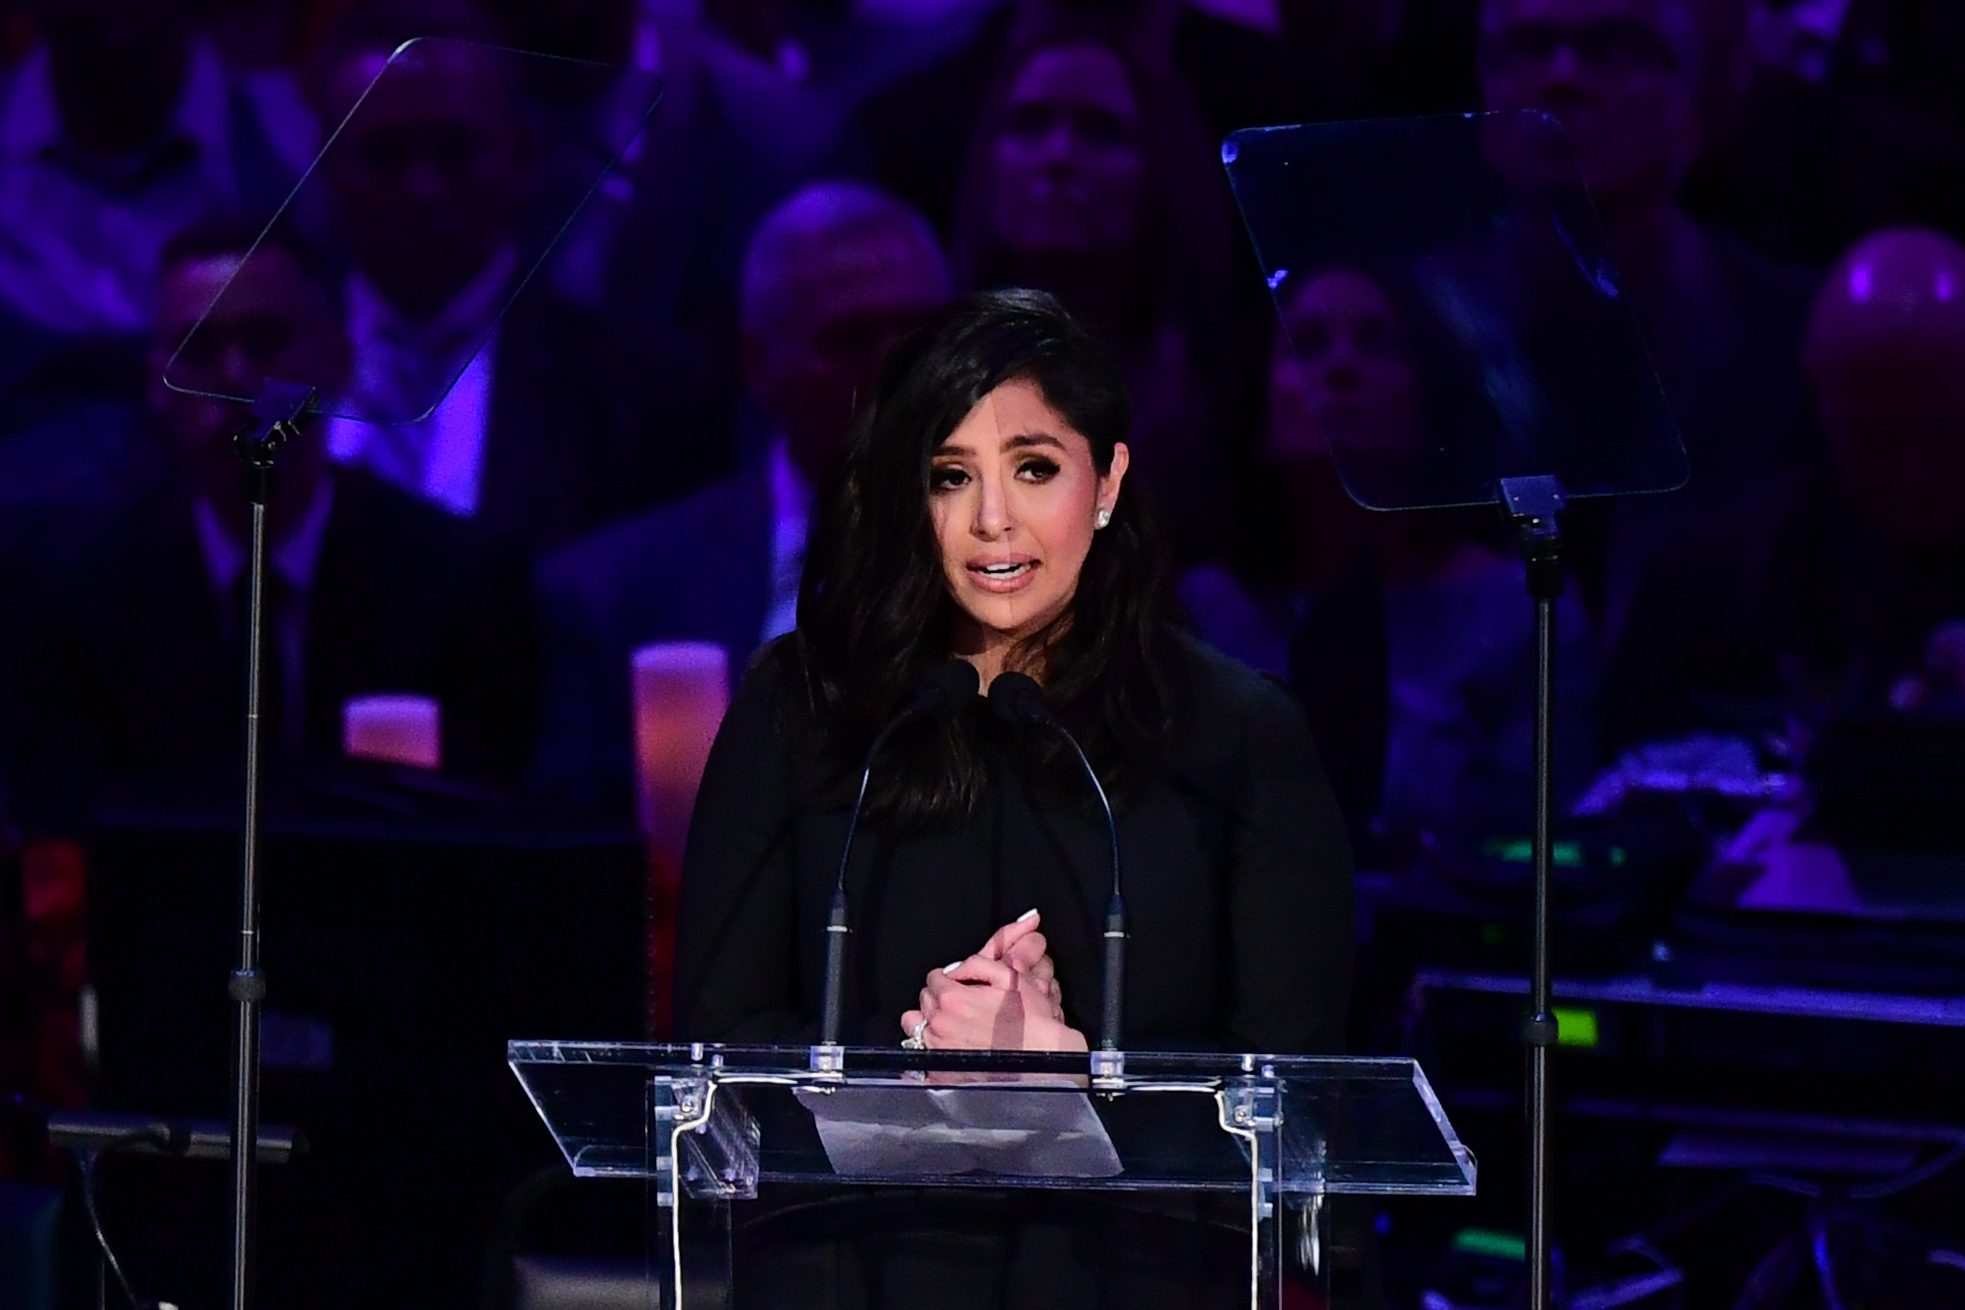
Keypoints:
pixel 943 692
pixel 1018 698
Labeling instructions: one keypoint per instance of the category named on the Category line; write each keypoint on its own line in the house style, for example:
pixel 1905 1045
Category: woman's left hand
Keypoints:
pixel 977 1004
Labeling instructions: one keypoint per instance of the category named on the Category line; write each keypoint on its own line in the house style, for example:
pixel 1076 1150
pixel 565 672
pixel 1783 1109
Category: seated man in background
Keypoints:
pixel 431 193
pixel 832 277
pixel 118 128
pixel 1723 327
pixel 1843 586
pixel 657 250
pixel 130 662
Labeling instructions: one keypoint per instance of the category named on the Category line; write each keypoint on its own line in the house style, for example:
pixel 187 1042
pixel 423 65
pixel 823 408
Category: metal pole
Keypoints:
pixel 247 985
pixel 1534 504
pixel 1541 1026
pixel 278 408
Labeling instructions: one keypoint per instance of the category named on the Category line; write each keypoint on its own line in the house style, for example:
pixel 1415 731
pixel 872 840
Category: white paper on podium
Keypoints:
pixel 968 1128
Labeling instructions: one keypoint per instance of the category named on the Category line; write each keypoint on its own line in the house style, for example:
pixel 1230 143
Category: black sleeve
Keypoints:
pixel 736 973
pixel 1290 888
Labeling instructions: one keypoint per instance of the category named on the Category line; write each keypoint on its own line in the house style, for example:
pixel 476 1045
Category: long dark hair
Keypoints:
pixel 873 608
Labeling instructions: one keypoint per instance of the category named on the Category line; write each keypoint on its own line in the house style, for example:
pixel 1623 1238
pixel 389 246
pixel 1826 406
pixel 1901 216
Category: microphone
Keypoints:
pixel 943 692
pixel 1018 698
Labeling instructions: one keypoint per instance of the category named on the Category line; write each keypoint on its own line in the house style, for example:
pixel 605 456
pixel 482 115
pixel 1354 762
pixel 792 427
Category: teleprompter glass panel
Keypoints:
pixel 1453 309
pixel 435 202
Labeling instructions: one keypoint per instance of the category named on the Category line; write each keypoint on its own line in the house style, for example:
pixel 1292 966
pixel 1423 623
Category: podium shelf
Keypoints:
pixel 736 1116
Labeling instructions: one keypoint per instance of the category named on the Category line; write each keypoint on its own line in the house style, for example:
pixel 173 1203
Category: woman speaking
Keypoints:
pixel 982 514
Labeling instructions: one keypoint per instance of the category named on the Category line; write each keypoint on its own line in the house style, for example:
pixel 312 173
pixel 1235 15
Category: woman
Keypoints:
pixel 1408 636
pixel 982 513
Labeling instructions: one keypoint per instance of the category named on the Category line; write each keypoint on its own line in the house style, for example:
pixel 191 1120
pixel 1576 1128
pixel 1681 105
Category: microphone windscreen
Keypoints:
pixel 1017 697
pixel 947 688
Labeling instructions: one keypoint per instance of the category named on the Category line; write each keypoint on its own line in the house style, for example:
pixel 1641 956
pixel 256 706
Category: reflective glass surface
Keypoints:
pixel 1176 1121
pixel 1453 309
pixel 433 204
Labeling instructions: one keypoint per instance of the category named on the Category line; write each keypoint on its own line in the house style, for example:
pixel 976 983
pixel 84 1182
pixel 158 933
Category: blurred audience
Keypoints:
pixel 840 50
pixel 119 127
pixel 1819 121
pixel 1724 328
pixel 428 192
pixel 1339 53
pixel 1903 52
pixel 678 336
pixel 1802 154
pixel 252 35
pixel 657 249
pixel 833 276
pixel 910 136
pixel 1408 636
pixel 1088 176
pixel 132 666
pixel 1842 586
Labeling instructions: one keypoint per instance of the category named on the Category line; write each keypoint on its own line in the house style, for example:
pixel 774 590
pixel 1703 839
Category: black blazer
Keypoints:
pixel 697 570
pixel 127 669
pixel 1237 879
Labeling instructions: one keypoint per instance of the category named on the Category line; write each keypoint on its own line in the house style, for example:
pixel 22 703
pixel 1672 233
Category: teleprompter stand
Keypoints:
pixel 629 97
pixel 1457 262
pixel 274 416
pixel 1535 506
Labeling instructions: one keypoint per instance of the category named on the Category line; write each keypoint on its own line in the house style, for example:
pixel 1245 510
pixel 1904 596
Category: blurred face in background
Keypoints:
pixel 111 33
pixel 425 183
pixel 1349 387
pixel 1609 70
pixel 118 66
pixel 845 298
pixel 1798 35
pixel 274 321
pixel 1069 167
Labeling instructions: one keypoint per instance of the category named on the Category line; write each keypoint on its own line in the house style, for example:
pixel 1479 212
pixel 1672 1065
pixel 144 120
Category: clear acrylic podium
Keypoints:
pixel 706 1125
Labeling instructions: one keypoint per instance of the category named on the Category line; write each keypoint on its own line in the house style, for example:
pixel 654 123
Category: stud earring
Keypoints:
pixel 1103 517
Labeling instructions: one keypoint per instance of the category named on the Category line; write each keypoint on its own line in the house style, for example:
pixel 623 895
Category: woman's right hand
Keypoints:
pixel 1004 997
pixel 977 1005
pixel 1021 945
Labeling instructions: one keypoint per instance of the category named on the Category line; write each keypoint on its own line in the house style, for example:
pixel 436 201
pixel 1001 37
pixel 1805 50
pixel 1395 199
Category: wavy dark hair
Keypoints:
pixel 874 611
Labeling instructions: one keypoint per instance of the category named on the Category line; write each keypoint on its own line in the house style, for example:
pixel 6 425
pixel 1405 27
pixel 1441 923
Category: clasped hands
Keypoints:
pixel 1005 997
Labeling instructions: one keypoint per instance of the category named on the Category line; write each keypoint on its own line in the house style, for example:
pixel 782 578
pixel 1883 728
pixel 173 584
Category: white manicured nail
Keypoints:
pixel 951 968
pixel 1027 915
